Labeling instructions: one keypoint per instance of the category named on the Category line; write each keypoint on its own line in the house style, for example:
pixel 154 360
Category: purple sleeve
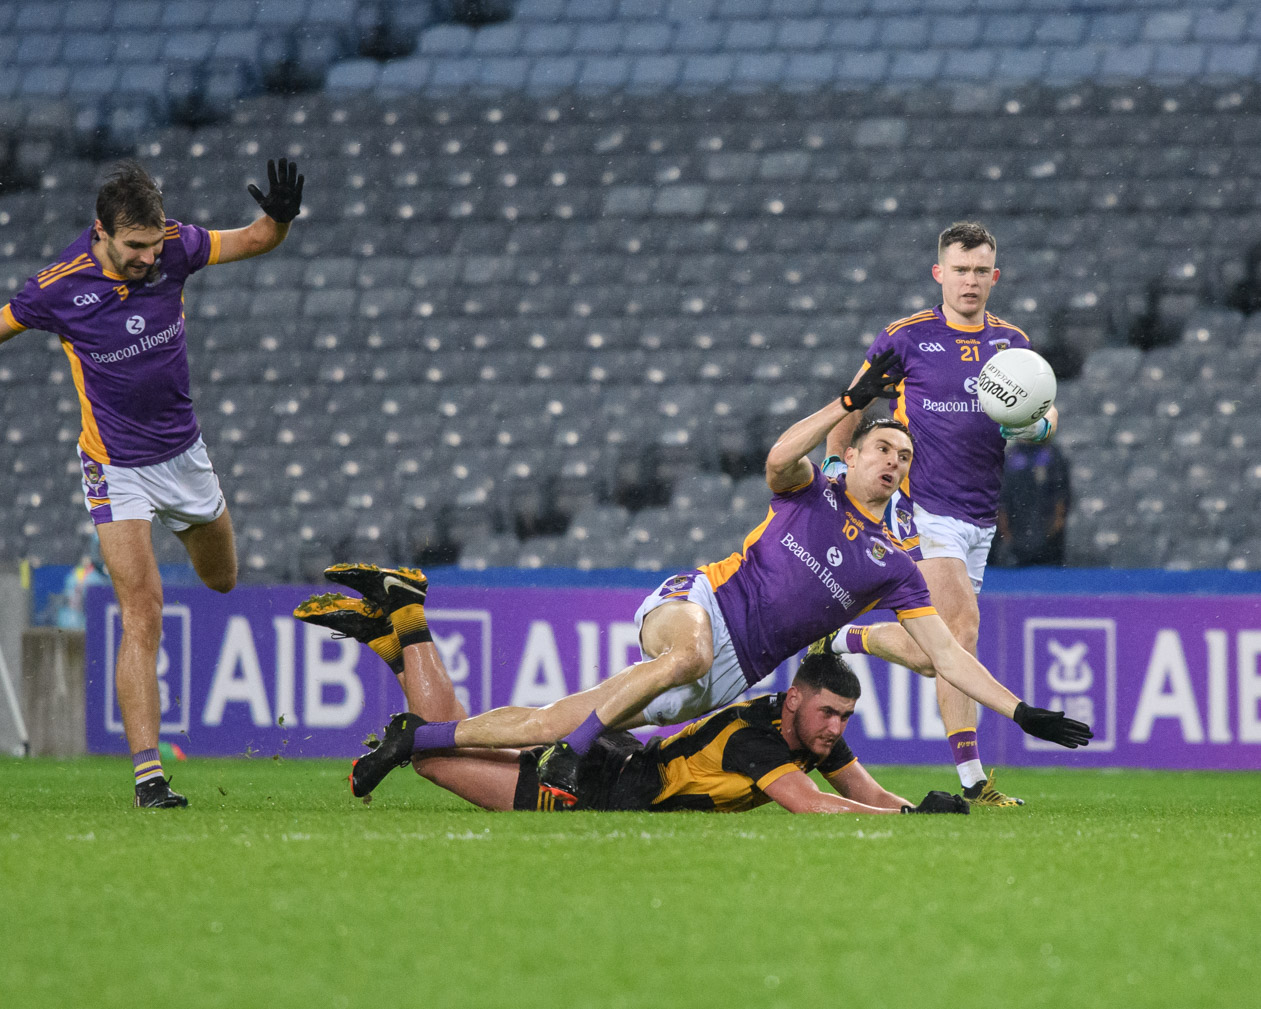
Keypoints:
pixel 29 307
pixel 909 594
pixel 201 247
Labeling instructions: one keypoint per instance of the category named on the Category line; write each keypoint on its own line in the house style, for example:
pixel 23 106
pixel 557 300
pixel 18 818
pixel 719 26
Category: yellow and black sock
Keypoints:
pixel 390 651
pixel 410 625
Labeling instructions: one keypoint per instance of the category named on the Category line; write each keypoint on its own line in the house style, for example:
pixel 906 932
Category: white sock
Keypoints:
pixel 840 644
pixel 970 772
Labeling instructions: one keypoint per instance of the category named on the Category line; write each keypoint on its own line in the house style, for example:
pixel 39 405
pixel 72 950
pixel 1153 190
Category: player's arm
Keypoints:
pixel 797 793
pixel 855 782
pixel 9 326
pixel 962 670
pixel 841 435
pixel 280 205
pixel 955 665
pixel 786 465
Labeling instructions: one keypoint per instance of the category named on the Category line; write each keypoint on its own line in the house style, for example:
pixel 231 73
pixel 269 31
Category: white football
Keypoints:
pixel 1016 387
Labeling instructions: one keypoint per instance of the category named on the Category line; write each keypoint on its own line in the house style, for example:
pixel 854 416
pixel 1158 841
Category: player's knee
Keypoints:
pixel 142 617
pixel 689 664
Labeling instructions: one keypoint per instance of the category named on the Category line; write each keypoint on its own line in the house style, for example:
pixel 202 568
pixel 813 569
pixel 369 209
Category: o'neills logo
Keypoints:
pixel 1007 394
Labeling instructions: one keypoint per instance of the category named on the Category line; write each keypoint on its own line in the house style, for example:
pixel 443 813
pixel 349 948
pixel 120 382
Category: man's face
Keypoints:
pixel 879 465
pixel 818 718
pixel 132 253
pixel 966 277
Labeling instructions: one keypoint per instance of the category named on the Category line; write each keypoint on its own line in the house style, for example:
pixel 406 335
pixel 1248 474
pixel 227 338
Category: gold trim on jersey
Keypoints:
pixel 6 313
pixel 910 320
pixel 771 777
pixel 965 329
pixel 90 440
pixel 863 511
pixel 215 241
pixel 918 611
pixel 998 323
pixel 720 572
pixel 50 276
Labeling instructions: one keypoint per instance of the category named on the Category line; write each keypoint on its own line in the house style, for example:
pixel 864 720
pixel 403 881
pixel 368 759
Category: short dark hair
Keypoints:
pixel 969 234
pixel 129 197
pixel 827 671
pixel 869 424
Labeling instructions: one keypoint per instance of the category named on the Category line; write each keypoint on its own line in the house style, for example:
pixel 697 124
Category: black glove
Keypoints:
pixel 940 802
pixel 873 382
pixel 284 192
pixel 1052 726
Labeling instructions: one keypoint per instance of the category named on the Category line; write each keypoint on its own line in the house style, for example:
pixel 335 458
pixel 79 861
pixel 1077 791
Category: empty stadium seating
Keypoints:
pixel 529 318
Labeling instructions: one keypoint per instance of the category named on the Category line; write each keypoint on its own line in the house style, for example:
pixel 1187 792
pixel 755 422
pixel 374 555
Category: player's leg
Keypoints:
pixel 886 641
pixel 357 618
pixel 211 547
pixel 955 555
pixel 127 550
pixel 677 639
pixel 429 689
pixel 955 599
pixel 486 778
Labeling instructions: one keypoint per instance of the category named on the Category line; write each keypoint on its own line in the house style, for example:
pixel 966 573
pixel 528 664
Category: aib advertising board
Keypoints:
pixel 1164 680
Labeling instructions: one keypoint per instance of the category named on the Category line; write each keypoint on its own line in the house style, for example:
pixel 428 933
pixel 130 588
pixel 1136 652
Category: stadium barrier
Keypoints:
pixel 1167 679
pixel 53 696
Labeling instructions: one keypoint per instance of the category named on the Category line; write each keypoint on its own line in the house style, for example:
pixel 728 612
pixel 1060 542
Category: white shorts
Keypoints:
pixel 725 680
pixel 943 536
pixel 179 493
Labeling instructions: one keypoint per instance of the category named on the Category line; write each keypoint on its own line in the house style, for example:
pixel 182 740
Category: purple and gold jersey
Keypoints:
pixel 958 467
pixel 815 563
pixel 125 342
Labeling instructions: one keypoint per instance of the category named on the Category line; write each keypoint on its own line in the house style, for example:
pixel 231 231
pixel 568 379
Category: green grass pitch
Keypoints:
pixel 277 889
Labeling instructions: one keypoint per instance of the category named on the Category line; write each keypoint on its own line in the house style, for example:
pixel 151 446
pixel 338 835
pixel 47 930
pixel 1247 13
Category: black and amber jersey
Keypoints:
pixel 723 762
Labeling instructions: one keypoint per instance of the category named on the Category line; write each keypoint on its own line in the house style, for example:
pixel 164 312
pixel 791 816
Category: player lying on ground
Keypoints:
pixel 708 635
pixel 736 759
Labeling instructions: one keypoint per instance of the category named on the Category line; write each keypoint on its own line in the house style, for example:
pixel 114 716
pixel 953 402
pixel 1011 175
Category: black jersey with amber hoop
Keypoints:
pixel 722 763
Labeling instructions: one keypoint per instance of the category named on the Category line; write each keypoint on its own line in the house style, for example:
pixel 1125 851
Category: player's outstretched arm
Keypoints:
pixel 855 782
pixel 786 465
pixel 280 205
pixel 798 793
pixel 959 668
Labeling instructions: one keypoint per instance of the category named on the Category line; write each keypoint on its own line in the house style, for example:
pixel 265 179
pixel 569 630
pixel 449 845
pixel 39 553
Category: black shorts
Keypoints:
pixel 598 775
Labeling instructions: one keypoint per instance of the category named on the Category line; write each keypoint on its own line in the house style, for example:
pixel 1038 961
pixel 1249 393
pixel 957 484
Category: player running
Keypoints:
pixel 820 558
pixel 115 297
pixel 955 482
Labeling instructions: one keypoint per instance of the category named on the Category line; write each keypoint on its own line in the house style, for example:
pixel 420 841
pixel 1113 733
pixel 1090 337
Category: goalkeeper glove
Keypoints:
pixel 940 802
pixel 873 383
pixel 284 191
pixel 1052 726
pixel 1037 432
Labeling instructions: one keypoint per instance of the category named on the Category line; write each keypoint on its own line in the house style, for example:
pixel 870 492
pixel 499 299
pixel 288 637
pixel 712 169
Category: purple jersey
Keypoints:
pixel 816 562
pixel 958 467
pixel 125 342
